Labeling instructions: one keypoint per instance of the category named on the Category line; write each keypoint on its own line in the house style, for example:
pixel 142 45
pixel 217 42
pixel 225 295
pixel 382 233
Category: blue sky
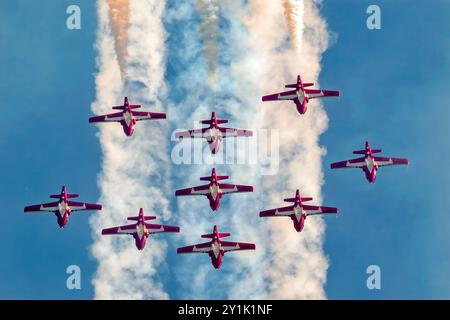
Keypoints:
pixel 394 85
pixel 47 86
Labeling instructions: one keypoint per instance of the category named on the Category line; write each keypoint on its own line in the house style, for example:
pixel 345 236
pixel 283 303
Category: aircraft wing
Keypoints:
pixel 231 132
pixel 197 133
pixel 384 161
pixel 157 228
pixel 314 210
pixel 234 246
pixel 200 190
pixel 201 247
pixel 354 163
pixel 77 206
pixel 51 206
pixel 112 117
pixel 128 229
pixel 234 188
pixel 278 212
pixel 287 95
pixel 141 115
pixel 316 93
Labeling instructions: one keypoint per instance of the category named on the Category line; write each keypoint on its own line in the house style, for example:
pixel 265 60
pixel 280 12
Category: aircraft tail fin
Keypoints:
pixel 213 119
pixel 126 104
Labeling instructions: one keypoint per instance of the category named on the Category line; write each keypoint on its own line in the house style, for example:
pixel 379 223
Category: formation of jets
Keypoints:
pixel 213 133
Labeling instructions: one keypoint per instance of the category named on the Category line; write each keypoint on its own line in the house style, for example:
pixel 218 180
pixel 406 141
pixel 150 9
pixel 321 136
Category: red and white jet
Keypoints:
pixel 214 134
pixel 140 230
pixel 369 163
pixel 214 190
pixel 63 207
pixel 298 212
pixel 216 248
pixel 300 95
pixel 127 117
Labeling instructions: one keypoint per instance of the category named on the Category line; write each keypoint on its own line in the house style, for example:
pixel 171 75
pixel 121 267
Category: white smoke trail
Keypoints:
pixel 294 265
pixel 293 12
pixel 194 273
pixel 209 29
pixel 119 19
pixel 133 171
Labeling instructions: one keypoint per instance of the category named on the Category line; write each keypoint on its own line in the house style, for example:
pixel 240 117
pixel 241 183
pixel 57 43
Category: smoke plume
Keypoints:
pixel 119 19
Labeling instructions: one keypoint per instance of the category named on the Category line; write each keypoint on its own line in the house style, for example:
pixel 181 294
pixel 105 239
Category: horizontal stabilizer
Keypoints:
pixel 364 151
pixel 220 235
pixel 69 196
pixel 210 122
pixel 306 199
pixel 131 106
pixel 290 199
pixel 210 178
pixel 145 218
pixel 295 85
